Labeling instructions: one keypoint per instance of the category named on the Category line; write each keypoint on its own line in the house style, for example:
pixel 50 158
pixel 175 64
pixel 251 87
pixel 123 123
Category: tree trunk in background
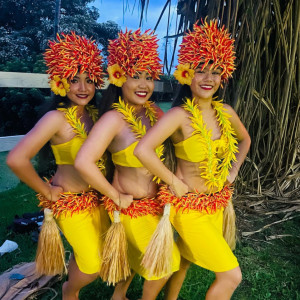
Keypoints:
pixel 265 87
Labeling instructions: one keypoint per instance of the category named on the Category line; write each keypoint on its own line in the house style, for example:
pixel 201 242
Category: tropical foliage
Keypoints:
pixel 25 28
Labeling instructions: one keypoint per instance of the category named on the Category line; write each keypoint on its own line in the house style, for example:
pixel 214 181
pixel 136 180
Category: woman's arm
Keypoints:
pixel 19 157
pixel 145 150
pixel 100 137
pixel 244 142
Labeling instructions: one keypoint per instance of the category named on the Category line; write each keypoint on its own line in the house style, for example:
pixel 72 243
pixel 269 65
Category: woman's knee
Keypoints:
pixel 184 264
pixel 232 277
pixel 235 277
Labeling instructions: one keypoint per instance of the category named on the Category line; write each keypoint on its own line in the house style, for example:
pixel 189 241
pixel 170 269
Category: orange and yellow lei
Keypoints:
pixel 138 208
pixel 196 201
pixel 206 44
pixel 71 202
pixel 131 52
pixel 69 55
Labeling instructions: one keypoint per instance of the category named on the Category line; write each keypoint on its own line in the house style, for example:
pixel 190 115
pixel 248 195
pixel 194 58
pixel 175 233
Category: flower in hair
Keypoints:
pixel 184 74
pixel 59 86
pixel 116 75
pixel 210 45
pixel 72 54
pixel 134 51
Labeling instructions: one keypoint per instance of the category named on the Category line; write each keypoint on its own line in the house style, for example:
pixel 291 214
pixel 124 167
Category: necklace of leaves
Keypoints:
pixel 136 125
pixel 215 170
pixel 79 128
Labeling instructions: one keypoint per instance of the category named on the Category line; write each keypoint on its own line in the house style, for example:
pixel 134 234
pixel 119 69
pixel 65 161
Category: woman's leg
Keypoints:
pixel 224 285
pixel 121 288
pixel 152 288
pixel 174 284
pixel 76 281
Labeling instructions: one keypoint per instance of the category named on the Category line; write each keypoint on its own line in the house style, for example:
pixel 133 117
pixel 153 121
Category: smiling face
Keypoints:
pixel 82 89
pixel 138 89
pixel 205 83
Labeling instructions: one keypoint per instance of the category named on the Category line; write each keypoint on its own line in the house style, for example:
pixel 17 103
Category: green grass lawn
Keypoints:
pixel 270 268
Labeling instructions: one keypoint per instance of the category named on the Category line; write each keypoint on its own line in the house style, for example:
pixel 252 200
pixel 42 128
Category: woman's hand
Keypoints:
pixel 178 187
pixel 231 176
pixel 54 193
pixel 123 200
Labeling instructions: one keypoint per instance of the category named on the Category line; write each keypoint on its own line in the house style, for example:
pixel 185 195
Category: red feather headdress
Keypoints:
pixel 71 54
pixel 206 44
pixel 133 51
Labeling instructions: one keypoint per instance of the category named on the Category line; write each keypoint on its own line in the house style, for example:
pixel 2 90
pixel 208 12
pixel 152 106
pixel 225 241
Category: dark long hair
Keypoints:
pixel 57 101
pixel 110 95
pixel 182 92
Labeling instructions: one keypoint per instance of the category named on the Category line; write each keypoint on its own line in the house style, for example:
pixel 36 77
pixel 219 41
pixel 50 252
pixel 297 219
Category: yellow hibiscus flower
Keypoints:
pixel 184 74
pixel 116 75
pixel 59 86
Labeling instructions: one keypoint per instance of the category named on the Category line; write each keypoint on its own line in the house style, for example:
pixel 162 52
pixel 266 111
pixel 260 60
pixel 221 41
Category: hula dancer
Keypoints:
pixel 210 144
pixel 133 64
pixel 75 71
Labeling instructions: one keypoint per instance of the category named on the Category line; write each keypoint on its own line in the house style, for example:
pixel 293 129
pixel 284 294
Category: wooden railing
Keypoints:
pixel 36 80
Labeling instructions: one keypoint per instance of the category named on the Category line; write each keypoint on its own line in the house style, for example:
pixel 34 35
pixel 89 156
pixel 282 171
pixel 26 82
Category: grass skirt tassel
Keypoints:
pixel 115 266
pixel 158 256
pixel 229 228
pixel 50 256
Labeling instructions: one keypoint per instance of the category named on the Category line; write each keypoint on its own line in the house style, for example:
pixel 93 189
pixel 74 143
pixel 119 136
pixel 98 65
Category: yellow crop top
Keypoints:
pixel 126 158
pixel 65 153
pixel 193 149
pixel 216 157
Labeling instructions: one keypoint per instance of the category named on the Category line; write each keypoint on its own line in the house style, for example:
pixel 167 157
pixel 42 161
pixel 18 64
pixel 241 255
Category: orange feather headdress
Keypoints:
pixel 69 55
pixel 133 51
pixel 206 44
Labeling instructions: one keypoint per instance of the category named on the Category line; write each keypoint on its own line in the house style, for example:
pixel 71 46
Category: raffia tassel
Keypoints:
pixel 158 256
pixel 229 228
pixel 50 256
pixel 115 266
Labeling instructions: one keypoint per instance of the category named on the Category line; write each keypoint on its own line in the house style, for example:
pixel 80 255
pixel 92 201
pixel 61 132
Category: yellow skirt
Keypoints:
pixel 201 239
pixel 84 231
pixel 139 232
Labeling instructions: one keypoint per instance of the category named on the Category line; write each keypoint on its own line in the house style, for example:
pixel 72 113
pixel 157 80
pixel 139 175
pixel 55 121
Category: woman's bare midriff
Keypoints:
pixel 69 179
pixel 189 173
pixel 134 181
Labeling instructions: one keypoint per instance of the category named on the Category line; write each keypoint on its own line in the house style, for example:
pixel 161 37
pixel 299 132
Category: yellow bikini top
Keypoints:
pixel 215 156
pixel 65 153
pixel 192 149
pixel 125 157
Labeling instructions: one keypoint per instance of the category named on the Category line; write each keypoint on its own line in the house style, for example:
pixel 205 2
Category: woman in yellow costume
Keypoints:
pixel 210 145
pixel 75 67
pixel 133 64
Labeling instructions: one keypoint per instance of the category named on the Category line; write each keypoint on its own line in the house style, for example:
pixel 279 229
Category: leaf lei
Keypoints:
pixel 214 170
pixel 78 126
pixel 136 125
